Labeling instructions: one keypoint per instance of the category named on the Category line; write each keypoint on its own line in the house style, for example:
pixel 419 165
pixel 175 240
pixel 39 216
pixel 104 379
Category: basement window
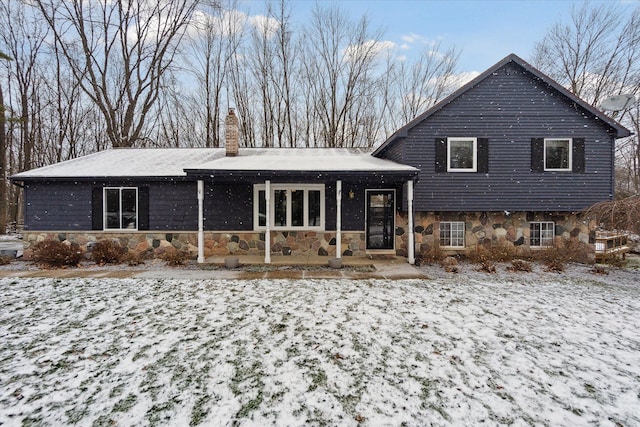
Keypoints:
pixel 541 234
pixel 452 234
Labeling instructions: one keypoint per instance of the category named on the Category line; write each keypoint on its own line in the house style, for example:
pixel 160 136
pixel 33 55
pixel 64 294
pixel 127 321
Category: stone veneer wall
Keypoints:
pixel 155 244
pixel 490 228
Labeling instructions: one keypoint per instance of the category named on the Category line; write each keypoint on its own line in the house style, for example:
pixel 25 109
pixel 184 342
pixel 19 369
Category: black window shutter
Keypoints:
pixel 143 208
pixel 483 155
pixel 578 155
pixel 96 208
pixel 537 154
pixel 441 154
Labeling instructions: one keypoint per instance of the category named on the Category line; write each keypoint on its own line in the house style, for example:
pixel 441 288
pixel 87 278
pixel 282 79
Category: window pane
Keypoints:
pixel 262 209
pixel 112 207
pixel 314 208
pixel 129 207
pixel 457 234
pixel 557 154
pixel 460 154
pixel 445 233
pixel 546 233
pixel 297 208
pixel 280 208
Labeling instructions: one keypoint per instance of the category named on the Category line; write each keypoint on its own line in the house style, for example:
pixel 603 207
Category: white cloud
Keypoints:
pixel 228 23
pixel 264 24
pixel 458 80
pixel 370 47
pixel 413 38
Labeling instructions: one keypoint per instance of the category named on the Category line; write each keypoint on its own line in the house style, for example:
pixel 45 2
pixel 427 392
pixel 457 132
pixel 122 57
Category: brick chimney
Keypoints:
pixel 231 133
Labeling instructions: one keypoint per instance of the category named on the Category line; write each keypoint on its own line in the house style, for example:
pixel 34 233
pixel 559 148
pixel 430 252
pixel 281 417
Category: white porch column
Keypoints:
pixel 338 219
pixel 267 234
pixel 200 221
pixel 410 243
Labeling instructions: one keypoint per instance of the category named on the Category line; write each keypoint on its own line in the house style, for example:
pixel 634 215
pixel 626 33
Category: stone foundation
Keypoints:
pixel 155 244
pixel 490 228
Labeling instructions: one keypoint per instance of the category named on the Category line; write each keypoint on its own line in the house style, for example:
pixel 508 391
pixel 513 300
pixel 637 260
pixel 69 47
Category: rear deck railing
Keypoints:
pixel 611 243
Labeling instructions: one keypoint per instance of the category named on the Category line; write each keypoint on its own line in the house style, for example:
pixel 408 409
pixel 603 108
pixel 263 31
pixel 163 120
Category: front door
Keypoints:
pixel 380 219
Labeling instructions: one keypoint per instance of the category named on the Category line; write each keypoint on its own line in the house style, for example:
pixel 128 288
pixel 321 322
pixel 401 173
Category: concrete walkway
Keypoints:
pixel 282 267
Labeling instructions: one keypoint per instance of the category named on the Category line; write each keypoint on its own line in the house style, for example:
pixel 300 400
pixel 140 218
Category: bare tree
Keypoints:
pixel 211 48
pixel 425 81
pixel 340 59
pixel 119 51
pixel 23 37
pixel 3 158
pixel 597 55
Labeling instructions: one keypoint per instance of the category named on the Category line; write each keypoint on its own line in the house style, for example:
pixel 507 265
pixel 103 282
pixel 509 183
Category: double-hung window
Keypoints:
pixel 291 206
pixel 452 234
pixel 541 234
pixel 557 154
pixel 120 208
pixel 462 154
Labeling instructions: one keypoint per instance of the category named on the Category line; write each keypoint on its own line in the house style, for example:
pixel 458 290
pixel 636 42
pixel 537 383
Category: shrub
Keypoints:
pixel 495 253
pixel 108 252
pixel 487 266
pixel 599 269
pixel 433 255
pixel 450 264
pixel 56 254
pixel 176 258
pixel 4 260
pixel 554 265
pixel 520 265
pixel 614 260
pixel 132 259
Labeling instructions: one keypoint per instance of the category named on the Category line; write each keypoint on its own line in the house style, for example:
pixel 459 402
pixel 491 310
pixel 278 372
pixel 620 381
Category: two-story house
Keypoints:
pixel 510 158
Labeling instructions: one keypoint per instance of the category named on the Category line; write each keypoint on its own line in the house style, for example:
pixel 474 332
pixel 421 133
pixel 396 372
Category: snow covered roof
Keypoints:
pixel 302 159
pixel 172 162
pixel 126 162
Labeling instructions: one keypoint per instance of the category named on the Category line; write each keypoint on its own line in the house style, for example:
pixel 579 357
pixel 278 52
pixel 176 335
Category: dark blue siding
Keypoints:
pixel 173 206
pixel 67 206
pixel 57 206
pixel 510 107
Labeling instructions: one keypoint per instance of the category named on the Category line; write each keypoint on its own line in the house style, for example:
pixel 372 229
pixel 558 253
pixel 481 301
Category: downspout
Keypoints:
pixel 200 221
pixel 411 246
pixel 338 219
pixel 267 234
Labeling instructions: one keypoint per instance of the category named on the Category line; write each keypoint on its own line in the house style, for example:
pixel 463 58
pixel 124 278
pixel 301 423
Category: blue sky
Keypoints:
pixel 486 31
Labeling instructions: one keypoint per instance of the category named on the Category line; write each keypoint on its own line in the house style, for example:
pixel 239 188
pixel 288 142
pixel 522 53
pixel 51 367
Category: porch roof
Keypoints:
pixel 298 161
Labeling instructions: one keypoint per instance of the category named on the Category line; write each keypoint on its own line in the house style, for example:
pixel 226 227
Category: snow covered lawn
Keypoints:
pixel 460 349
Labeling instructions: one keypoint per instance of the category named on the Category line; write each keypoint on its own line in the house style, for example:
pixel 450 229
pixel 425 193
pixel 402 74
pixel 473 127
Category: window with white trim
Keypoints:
pixel 291 207
pixel 557 154
pixel 541 234
pixel 462 154
pixel 452 234
pixel 120 208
